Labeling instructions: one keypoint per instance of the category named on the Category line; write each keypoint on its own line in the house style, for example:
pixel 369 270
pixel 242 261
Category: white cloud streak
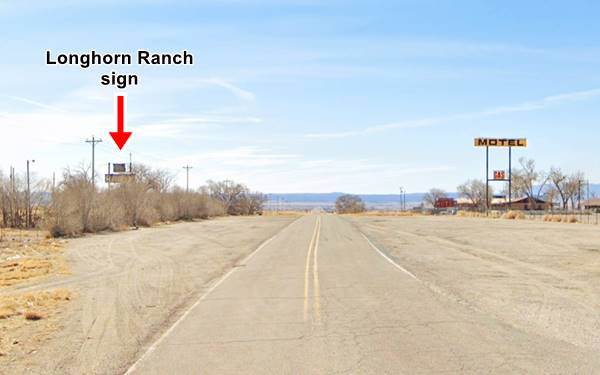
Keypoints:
pixel 529 106
pixel 36 103
pixel 235 90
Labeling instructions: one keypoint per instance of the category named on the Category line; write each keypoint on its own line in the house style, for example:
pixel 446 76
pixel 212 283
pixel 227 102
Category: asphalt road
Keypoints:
pixel 322 298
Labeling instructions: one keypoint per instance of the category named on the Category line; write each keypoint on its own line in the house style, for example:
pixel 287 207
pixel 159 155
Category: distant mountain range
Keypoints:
pixel 311 200
pixel 373 201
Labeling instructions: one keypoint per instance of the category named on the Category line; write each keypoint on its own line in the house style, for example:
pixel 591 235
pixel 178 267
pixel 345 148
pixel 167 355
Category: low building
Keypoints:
pixel 465 204
pixel 592 204
pixel 521 204
pixel 443 203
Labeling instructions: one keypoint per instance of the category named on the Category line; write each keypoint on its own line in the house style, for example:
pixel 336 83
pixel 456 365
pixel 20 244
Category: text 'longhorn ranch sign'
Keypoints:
pixel 500 142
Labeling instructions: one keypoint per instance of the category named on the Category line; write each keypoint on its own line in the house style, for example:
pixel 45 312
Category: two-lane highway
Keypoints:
pixel 321 298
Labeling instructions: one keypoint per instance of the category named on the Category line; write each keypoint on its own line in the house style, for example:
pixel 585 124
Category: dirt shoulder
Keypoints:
pixel 128 287
pixel 28 257
pixel 540 277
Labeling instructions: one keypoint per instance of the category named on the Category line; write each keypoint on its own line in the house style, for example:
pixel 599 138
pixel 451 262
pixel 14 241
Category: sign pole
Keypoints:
pixel 510 178
pixel 487 179
pixel 501 176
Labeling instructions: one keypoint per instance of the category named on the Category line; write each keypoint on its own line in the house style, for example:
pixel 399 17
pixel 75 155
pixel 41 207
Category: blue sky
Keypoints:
pixel 307 96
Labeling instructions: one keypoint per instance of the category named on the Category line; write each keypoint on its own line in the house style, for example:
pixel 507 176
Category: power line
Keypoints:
pixel 93 141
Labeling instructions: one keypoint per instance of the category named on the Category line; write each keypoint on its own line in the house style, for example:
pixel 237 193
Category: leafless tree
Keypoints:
pixel 528 181
pixel 568 187
pixel 349 204
pixel 229 193
pixel 559 182
pixel 433 195
pixel 13 201
pixel 475 191
pixel 573 188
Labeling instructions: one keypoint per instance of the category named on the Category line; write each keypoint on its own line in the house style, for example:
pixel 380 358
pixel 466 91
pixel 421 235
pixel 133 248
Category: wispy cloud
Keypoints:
pixel 36 103
pixel 176 125
pixel 235 90
pixel 528 106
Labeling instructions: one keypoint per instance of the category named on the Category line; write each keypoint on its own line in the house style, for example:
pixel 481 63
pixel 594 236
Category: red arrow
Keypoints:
pixel 120 136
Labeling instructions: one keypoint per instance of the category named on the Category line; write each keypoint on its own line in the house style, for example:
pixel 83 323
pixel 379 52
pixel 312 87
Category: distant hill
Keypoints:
pixel 311 200
pixel 373 201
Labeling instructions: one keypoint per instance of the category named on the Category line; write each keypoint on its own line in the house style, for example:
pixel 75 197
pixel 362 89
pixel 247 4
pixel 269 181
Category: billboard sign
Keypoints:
pixel 118 178
pixel 500 142
pixel 119 168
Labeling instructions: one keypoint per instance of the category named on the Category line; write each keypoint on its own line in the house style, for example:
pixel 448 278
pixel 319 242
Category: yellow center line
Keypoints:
pixel 307 272
pixel 316 292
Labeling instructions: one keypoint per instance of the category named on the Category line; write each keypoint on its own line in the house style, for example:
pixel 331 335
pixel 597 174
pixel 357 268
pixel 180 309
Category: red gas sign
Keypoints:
pixel 499 175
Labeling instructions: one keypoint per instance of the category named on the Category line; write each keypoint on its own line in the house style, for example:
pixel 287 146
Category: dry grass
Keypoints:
pixel 28 255
pixel 510 215
pixel 33 304
pixel 514 215
pixel 385 213
pixel 286 213
pixel 20 316
pixel 470 214
pixel 489 215
pixel 561 219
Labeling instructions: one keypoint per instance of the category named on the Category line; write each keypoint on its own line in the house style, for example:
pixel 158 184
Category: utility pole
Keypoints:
pixel 187 177
pixel 29 221
pixel 93 141
pixel 402 199
pixel 579 195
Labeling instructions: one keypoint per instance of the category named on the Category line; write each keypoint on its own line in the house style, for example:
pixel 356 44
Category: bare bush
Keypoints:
pixel 146 198
pixel 528 181
pixel 236 198
pixel 433 195
pixel 13 201
pixel 349 204
pixel 475 191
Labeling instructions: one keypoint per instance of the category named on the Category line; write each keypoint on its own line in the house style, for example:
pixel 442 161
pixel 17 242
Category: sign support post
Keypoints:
pixel 510 178
pixel 487 180
pixel 498 142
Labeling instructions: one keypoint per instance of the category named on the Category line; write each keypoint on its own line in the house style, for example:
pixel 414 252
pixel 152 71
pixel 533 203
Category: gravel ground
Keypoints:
pixel 127 288
pixel 543 278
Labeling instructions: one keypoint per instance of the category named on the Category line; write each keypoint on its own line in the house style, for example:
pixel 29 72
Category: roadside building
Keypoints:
pixel 592 204
pixel 444 203
pixel 465 204
pixel 521 204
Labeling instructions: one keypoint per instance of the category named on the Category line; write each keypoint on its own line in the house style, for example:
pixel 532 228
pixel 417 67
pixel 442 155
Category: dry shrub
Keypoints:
pixel 7 312
pixel 470 214
pixel 384 213
pixel 39 304
pixel 572 219
pixel 514 215
pixel 78 207
pixel 285 213
pixel 555 218
pixel 33 315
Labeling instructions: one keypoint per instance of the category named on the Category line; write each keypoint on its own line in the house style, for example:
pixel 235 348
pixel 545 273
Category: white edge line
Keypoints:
pixel 390 260
pixel 153 347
